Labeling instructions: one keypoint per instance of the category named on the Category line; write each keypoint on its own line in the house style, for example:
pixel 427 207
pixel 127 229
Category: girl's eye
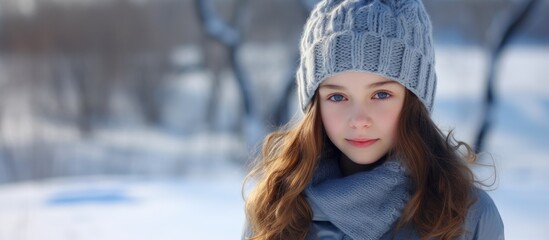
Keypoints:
pixel 382 95
pixel 336 98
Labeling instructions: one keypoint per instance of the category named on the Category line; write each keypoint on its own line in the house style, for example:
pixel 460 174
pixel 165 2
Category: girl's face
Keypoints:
pixel 360 112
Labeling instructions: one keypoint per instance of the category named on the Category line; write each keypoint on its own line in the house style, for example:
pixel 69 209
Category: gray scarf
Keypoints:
pixel 364 205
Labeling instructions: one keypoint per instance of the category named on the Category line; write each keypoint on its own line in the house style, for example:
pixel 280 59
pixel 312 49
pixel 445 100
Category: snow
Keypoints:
pixel 207 203
pixel 121 208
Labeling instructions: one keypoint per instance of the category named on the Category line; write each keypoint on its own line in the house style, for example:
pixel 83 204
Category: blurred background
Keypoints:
pixel 138 119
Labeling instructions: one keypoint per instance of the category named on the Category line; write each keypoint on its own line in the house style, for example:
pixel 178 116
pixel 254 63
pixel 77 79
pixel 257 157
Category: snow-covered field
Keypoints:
pixel 122 208
pixel 208 204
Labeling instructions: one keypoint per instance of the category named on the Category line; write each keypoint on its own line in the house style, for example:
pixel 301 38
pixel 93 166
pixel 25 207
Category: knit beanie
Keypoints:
pixel 391 38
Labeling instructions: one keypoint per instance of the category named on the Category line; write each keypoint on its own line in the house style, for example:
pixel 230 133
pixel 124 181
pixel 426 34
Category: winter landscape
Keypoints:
pixel 110 207
pixel 182 178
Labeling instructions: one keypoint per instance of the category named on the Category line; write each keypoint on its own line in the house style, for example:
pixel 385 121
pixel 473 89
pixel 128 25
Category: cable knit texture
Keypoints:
pixel 388 37
pixel 364 205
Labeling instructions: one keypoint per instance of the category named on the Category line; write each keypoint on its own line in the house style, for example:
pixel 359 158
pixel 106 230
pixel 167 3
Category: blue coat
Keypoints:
pixel 483 222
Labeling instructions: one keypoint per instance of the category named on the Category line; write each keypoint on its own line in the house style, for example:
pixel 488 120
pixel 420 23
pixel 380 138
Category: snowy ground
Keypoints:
pixel 208 205
pixel 122 209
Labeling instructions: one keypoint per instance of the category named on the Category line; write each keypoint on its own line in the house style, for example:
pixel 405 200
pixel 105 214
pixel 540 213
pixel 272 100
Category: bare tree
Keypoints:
pixel 499 43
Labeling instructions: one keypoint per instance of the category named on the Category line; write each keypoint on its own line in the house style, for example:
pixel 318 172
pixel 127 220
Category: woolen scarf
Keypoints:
pixel 364 205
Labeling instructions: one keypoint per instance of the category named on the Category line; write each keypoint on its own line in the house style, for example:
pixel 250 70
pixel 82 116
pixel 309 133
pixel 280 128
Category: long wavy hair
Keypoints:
pixel 439 176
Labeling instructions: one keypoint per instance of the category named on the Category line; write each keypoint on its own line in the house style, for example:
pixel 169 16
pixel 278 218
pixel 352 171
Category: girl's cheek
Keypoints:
pixel 332 108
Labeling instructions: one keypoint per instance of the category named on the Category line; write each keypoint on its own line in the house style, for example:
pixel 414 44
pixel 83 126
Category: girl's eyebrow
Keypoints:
pixel 332 86
pixel 379 84
pixel 373 85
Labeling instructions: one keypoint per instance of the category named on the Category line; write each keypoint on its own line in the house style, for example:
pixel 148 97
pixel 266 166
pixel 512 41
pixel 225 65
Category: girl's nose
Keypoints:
pixel 360 118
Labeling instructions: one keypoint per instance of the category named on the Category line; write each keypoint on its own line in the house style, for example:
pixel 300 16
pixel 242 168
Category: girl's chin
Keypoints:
pixel 366 161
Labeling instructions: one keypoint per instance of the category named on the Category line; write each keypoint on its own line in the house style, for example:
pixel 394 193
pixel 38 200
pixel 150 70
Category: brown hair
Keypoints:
pixel 276 208
pixel 441 180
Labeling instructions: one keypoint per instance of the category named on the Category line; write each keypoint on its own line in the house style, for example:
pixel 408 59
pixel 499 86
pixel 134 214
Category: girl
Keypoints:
pixel 366 161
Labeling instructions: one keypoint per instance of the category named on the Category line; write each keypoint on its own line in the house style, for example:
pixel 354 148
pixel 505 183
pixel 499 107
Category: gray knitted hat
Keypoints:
pixel 388 37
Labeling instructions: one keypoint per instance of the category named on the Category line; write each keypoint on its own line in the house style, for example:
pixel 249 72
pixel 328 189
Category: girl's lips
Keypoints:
pixel 361 142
